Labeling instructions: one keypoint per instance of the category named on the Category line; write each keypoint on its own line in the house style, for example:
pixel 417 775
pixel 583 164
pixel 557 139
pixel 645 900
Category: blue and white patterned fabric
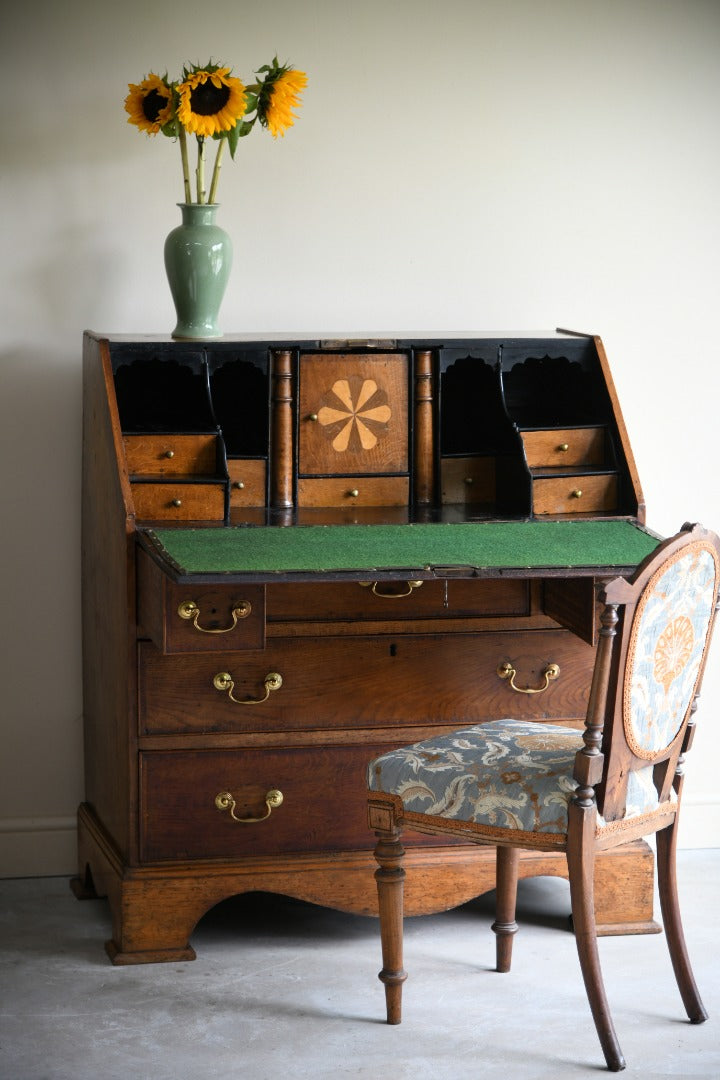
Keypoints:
pixel 509 774
pixel 666 647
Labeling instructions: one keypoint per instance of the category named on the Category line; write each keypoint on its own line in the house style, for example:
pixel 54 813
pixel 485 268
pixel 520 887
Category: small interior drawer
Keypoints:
pixel 354 491
pixel 170 501
pixel 578 493
pixel 171 455
pixel 197 618
pixel 565 446
pixel 468 479
pixel 247 481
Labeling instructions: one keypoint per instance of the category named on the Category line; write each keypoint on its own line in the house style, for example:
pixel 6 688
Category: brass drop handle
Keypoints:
pixel 225 801
pixel 224 682
pixel 507 671
pixel 190 610
pixel 373 586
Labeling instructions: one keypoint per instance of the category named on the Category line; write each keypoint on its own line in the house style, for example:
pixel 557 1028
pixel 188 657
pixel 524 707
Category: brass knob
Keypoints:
pixel 239 484
pixel 353 493
pixel 563 448
pixel 313 417
pixel 577 493
pixel 177 502
pixel 468 480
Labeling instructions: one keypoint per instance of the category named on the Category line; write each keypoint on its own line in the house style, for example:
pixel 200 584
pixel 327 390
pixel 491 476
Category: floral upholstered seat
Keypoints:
pixel 511 774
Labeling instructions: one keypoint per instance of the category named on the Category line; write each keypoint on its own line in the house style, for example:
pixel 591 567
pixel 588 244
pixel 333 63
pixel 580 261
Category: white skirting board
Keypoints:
pixel 47 847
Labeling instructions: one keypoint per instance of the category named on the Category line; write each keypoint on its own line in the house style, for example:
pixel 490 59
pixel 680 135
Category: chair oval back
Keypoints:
pixel 667 643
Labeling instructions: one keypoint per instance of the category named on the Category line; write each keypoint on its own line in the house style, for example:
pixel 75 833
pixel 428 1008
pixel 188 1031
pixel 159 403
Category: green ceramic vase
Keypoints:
pixel 198 257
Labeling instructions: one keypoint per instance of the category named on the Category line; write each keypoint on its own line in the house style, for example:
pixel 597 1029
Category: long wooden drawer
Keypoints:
pixel 363 682
pixel 323 802
pixel 197 618
pixel 397 600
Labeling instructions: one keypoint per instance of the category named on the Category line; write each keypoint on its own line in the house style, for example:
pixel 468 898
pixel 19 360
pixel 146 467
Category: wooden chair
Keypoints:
pixel 542 786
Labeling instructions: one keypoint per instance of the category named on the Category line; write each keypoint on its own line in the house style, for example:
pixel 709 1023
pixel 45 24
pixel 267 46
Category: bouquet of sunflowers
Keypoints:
pixel 210 103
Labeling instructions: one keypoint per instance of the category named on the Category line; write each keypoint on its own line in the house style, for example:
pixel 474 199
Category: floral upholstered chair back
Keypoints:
pixel 667 641
pixel 666 648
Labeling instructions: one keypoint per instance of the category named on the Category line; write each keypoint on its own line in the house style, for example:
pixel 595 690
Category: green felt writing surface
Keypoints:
pixel 421 547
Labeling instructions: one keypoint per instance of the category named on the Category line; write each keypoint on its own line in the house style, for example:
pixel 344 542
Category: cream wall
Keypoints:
pixel 499 165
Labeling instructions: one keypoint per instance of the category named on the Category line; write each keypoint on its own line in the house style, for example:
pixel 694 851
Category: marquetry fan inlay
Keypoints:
pixel 354 414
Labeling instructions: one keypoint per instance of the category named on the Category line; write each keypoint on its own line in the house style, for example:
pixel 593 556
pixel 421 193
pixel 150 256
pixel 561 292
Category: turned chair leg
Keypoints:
pixel 505 927
pixel 581 870
pixel 670 907
pixel 390 877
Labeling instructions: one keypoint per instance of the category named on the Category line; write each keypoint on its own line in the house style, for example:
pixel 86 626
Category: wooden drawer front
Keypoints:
pixel 247 482
pixel 354 491
pixel 353 413
pixel 565 446
pixel 468 480
pixel 179 502
pixel 581 494
pixel 323 808
pixel 197 618
pixel 364 682
pixel 171 455
pixel 393 600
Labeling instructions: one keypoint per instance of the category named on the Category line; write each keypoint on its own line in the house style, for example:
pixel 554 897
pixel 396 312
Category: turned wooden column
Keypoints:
pixel 423 427
pixel 281 481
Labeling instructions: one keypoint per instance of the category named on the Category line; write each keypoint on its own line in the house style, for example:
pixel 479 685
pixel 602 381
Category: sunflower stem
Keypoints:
pixel 200 172
pixel 216 171
pixel 185 163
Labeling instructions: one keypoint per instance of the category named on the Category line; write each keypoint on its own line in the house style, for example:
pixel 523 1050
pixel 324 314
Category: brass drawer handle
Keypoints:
pixel 373 586
pixel 507 671
pixel 563 448
pixel 225 801
pixel 190 610
pixel 576 494
pixel 223 681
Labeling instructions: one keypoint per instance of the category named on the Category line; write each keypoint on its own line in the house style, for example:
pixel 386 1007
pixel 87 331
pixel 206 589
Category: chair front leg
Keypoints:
pixel 505 927
pixel 390 877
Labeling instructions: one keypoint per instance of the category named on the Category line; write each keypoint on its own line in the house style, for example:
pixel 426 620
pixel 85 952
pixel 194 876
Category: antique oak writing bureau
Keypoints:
pixel 297 553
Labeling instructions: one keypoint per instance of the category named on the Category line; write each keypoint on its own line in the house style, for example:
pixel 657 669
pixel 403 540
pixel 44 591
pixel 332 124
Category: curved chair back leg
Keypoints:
pixel 672 922
pixel 581 873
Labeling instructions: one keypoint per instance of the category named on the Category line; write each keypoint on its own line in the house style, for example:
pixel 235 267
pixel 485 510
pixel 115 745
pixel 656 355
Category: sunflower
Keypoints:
pixel 279 96
pixel 149 104
pixel 210 101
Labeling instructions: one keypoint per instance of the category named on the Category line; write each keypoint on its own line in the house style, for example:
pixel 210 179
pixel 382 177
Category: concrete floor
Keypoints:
pixel 284 989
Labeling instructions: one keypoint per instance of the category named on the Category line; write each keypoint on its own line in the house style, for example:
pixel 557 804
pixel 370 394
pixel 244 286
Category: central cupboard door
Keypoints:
pixel 353 420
